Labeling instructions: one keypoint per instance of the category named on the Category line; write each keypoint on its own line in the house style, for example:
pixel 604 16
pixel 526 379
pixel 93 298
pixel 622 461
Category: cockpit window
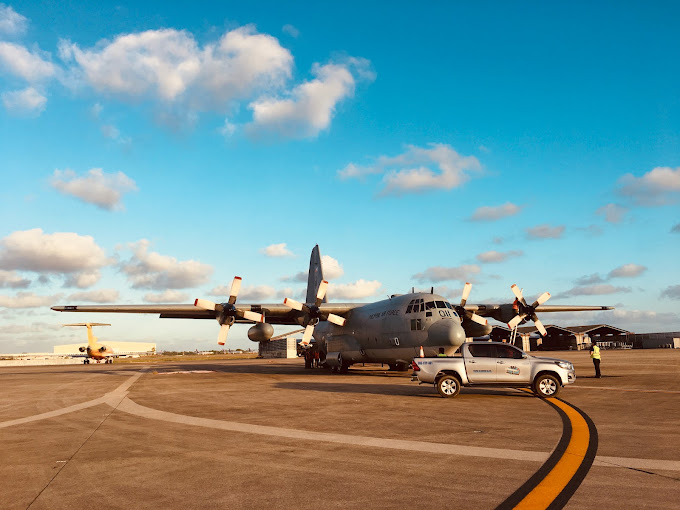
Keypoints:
pixel 429 305
pixel 416 305
pixel 441 304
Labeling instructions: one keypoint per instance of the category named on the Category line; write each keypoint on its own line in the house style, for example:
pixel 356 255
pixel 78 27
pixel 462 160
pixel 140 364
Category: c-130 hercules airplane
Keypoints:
pixel 391 331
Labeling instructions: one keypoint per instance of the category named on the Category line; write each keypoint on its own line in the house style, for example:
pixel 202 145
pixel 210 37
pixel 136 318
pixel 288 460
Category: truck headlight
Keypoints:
pixel 565 364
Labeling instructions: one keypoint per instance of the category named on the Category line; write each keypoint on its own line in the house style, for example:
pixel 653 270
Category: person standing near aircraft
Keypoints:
pixel 595 355
pixel 441 353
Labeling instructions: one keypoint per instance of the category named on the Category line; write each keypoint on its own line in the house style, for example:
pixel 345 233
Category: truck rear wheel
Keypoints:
pixel 547 385
pixel 448 386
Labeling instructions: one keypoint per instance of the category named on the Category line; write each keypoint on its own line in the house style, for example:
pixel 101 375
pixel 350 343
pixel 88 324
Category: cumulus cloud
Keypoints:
pixel 11 280
pixel 11 22
pixel 290 30
pixel 32 66
pixel 28 300
pixel 151 270
pixel 61 252
pixel 357 290
pixel 418 169
pixel 487 213
pixel 170 66
pixel 589 279
pixel 613 213
pixel 332 269
pixel 25 102
pixel 277 250
pixel 593 290
pixel 256 292
pixel 441 274
pixel 498 256
pixel 96 187
pixel 168 296
pixel 96 296
pixel 657 187
pixel 545 231
pixel 627 271
pixel 82 280
pixel 311 105
pixel 671 292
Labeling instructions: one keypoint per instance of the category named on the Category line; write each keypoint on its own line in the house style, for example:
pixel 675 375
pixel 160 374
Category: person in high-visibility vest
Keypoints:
pixel 595 354
pixel 441 353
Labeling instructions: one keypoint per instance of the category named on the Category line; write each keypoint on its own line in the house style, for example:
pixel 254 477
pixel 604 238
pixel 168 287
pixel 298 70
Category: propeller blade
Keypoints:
pixel 293 304
pixel 224 331
pixel 541 299
pixel 478 319
pixel 253 316
pixel 517 292
pixel 235 287
pixel 323 286
pixel 307 336
pixel 466 293
pixel 539 325
pixel 205 304
pixel 336 319
pixel 515 321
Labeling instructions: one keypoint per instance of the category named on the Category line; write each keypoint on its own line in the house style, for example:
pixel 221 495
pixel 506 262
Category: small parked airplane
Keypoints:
pixel 391 331
pixel 94 350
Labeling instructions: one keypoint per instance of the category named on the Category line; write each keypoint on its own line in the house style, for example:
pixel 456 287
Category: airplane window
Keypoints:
pixel 482 351
pixel 410 308
pixel 422 306
pixel 419 324
pixel 429 305
pixel 440 304
pixel 413 324
pixel 448 305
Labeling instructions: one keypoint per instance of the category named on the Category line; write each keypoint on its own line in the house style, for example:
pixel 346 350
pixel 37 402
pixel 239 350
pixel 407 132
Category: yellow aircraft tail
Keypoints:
pixel 91 339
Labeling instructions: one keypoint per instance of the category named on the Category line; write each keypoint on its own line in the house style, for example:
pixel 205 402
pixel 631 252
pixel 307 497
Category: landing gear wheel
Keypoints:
pixel 448 386
pixel 547 386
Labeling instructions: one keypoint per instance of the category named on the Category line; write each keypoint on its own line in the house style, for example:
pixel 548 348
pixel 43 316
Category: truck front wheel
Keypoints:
pixel 448 386
pixel 547 386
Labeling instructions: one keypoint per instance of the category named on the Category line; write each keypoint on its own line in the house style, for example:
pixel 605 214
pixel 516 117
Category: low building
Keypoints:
pixel 284 348
pixel 655 340
pixel 119 348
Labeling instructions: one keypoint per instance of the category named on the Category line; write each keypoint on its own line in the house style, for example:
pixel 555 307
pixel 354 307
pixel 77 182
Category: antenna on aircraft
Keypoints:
pixel 431 290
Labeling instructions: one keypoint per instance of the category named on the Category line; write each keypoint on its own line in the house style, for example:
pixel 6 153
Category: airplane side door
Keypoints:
pixel 481 367
pixel 511 367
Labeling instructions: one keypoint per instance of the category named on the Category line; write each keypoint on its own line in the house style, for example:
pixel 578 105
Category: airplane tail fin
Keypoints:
pixel 315 276
pixel 91 339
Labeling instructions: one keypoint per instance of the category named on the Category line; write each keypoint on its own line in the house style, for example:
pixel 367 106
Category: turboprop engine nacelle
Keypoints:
pixel 261 332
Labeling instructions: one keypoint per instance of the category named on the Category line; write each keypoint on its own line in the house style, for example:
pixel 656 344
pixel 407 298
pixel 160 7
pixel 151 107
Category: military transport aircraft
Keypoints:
pixel 94 350
pixel 391 331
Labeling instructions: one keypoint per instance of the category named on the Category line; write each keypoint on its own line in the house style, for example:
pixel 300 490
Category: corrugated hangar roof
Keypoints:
pixel 569 329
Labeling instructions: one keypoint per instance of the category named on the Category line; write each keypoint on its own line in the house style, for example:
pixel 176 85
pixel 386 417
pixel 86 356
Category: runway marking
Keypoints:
pixel 112 398
pixel 558 479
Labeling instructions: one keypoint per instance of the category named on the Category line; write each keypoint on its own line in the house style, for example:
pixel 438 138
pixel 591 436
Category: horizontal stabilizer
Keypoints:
pixel 86 324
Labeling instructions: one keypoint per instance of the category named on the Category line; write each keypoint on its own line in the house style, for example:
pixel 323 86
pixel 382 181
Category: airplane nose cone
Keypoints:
pixel 446 332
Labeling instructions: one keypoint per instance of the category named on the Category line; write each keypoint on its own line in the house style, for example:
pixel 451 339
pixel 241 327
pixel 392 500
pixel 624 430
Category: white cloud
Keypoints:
pixel 256 292
pixel 656 187
pixel 24 102
pixel 593 290
pixel 168 296
pixel 96 296
pixel 97 187
pixel 82 280
pixel 311 105
pixel 11 280
pixel 589 280
pixel 418 169
pixel 277 250
pixel 441 274
pixel 627 271
pixel 169 65
pixel 357 290
pixel 151 270
pixel 545 232
pixel 31 66
pixel 290 30
pixel 331 268
pixel 613 213
pixel 28 300
pixel 11 22
pixel 61 252
pixel 671 292
pixel 228 129
pixel 487 213
pixel 498 256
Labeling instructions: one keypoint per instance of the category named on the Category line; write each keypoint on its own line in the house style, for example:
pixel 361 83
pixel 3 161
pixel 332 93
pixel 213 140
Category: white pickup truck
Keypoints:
pixel 496 364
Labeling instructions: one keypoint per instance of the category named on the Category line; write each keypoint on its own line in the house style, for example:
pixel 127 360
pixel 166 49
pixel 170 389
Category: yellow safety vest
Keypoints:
pixel 595 353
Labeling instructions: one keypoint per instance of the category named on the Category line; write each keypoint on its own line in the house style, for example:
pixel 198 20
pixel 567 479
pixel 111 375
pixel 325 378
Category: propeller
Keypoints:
pixel 524 310
pixel 467 313
pixel 226 313
pixel 312 312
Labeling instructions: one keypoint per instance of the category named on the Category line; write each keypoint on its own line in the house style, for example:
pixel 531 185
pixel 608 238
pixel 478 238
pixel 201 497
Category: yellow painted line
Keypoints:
pixel 565 469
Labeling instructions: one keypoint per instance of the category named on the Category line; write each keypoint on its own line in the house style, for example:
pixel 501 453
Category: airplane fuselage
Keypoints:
pixel 392 331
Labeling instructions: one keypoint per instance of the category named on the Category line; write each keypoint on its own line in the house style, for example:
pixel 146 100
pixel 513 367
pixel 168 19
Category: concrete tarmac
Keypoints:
pixel 268 433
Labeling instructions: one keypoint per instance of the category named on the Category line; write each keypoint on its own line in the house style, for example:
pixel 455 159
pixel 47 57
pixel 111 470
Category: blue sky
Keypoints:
pixel 150 152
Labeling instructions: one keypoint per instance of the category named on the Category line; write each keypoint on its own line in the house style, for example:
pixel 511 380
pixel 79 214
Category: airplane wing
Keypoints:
pixel 490 310
pixel 273 313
